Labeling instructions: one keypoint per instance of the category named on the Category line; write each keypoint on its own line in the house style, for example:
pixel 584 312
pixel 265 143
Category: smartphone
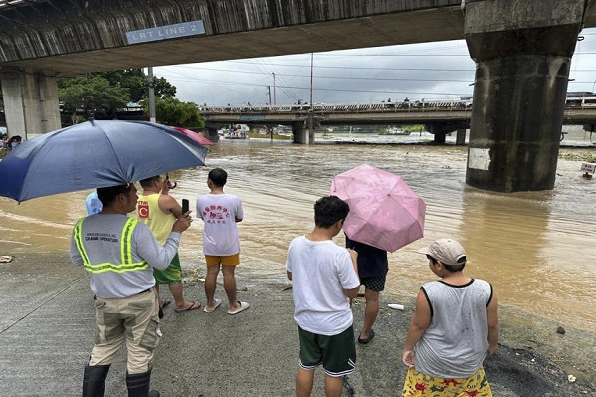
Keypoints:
pixel 184 206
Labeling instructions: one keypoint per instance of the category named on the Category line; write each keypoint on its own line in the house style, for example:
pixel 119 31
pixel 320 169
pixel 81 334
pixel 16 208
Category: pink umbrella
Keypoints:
pixel 194 135
pixel 384 211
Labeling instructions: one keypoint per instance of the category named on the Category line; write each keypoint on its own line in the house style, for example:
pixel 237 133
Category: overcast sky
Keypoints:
pixel 431 70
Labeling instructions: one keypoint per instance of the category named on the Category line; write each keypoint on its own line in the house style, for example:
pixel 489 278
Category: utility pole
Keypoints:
pixel 311 132
pixel 151 85
pixel 269 89
pixel 274 93
pixel 311 58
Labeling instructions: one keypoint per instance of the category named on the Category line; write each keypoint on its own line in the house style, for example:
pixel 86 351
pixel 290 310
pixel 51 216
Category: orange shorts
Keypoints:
pixel 232 260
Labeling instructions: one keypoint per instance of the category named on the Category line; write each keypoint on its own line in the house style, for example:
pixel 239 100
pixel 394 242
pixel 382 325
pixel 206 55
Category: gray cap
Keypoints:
pixel 447 251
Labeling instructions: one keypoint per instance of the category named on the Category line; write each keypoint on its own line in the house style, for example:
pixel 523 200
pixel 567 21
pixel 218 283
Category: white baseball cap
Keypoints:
pixel 447 251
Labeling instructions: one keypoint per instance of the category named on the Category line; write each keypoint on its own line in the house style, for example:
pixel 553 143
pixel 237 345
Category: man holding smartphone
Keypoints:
pixel 158 210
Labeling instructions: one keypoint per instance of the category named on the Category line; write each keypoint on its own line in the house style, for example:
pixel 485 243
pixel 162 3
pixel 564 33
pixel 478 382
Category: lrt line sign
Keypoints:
pixel 166 32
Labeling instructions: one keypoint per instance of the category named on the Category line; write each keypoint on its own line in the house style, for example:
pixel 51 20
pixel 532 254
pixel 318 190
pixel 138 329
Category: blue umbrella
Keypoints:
pixel 95 154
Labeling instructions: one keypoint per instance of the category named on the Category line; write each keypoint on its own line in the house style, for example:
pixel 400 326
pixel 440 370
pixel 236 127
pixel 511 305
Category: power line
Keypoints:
pixel 322 67
pixel 335 77
pixel 349 90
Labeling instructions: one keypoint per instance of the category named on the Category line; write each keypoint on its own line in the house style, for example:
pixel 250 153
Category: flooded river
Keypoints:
pixel 536 248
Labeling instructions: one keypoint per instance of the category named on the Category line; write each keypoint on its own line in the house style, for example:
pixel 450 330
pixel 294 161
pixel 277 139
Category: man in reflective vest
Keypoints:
pixel 120 253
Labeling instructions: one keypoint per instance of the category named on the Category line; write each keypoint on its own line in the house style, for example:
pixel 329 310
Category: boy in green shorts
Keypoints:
pixel 324 277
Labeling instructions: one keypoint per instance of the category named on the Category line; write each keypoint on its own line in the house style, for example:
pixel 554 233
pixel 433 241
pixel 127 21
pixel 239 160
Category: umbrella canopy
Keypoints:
pixel 95 154
pixel 194 135
pixel 384 211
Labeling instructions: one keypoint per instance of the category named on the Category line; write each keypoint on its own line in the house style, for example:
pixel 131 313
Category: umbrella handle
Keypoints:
pixel 174 185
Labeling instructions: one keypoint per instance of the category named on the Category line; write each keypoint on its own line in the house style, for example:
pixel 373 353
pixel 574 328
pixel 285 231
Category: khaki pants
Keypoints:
pixel 133 320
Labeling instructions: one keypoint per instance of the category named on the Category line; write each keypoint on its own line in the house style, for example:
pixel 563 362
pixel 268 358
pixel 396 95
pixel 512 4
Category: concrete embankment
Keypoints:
pixel 47 332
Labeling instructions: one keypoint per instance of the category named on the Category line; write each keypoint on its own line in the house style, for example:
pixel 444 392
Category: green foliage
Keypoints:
pixel 135 81
pixel 163 89
pixel 585 157
pixel 265 135
pixel 101 94
pixel 413 128
pixel 93 96
pixel 173 112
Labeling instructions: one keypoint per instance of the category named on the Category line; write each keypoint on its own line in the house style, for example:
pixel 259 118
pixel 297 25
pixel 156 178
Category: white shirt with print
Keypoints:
pixel 220 233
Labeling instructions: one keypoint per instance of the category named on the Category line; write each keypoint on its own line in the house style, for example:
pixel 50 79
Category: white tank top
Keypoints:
pixel 455 343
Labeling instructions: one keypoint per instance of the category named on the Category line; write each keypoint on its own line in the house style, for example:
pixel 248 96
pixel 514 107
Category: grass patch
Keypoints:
pixel 585 157
pixel 253 134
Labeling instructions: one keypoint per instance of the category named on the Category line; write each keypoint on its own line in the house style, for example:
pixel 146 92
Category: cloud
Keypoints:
pixel 441 70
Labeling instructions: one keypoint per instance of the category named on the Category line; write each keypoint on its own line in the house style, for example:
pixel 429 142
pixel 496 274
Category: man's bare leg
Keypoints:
pixel 176 290
pixel 211 284
pixel 304 382
pixel 333 386
pixel 371 311
pixel 230 286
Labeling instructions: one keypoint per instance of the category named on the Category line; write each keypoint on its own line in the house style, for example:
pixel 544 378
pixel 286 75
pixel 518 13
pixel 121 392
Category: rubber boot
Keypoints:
pixel 94 380
pixel 138 385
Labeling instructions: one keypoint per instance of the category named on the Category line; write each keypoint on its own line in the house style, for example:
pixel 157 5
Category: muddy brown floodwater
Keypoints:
pixel 536 248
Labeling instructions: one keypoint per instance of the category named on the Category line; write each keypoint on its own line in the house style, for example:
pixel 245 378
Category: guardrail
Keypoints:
pixel 432 105
pixel 340 107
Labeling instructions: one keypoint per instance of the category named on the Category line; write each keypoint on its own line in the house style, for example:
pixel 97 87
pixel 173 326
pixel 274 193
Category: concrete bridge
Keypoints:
pixel 522 48
pixel 440 117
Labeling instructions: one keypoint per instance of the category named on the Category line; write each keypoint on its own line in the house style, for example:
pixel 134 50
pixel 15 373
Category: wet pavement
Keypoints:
pixel 47 333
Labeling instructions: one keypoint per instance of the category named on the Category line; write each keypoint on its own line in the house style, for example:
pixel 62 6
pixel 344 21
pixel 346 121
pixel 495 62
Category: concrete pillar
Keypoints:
pixel 523 53
pixel 30 102
pixel 440 137
pixel 311 129
pixel 460 138
pixel 211 133
pixel 439 130
pixel 300 133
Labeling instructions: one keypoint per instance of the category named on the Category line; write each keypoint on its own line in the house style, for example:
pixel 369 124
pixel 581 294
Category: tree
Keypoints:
pixel 132 79
pixel 102 94
pixel 136 81
pixel 173 112
pixel 93 96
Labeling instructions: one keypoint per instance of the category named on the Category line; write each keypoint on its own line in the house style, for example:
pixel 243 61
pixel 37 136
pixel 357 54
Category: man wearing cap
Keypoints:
pixel 120 253
pixel 454 327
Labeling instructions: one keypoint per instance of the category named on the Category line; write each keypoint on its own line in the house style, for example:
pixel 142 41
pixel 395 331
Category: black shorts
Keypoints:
pixel 337 353
pixel 374 283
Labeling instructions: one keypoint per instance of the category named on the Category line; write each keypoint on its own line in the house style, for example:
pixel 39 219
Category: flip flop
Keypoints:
pixel 364 341
pixel 164 303
pixel 193 306
pixel 243 306
pixel 217 303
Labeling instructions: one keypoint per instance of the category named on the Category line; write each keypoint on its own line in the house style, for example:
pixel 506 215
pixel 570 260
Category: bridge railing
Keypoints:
pixel 400 106
pixel 341 107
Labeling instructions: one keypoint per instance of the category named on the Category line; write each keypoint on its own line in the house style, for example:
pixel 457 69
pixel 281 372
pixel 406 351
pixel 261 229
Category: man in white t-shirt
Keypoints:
pixel 221 244
pixel 324 279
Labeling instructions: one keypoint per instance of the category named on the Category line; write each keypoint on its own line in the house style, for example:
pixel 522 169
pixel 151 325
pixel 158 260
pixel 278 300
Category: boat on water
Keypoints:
pixel 237 132
pixel 394 131
pixel 235 135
